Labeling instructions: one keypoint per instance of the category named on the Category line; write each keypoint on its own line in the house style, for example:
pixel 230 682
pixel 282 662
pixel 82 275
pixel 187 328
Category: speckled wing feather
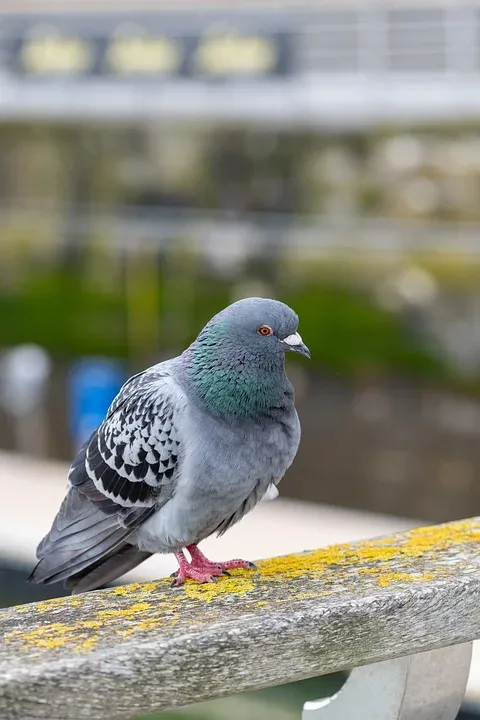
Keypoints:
pixel 126 470
pixel 132 458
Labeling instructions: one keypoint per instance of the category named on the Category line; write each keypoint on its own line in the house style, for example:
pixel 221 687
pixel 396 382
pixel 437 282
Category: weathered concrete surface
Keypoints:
pixel 141 648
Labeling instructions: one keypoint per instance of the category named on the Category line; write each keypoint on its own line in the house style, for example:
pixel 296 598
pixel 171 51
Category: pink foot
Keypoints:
pixel 199 560
pixel 192 571
pixel 202 569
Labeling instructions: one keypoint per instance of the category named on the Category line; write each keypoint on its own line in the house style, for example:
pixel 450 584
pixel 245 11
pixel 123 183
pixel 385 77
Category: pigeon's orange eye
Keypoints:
pixel 265 330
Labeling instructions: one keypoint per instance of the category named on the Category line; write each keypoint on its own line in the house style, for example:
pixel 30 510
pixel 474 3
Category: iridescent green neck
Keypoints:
pixel 235 384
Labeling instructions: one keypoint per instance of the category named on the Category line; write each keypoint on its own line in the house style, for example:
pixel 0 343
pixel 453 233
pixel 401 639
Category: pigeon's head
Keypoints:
pixel 260 326
pixel 236 366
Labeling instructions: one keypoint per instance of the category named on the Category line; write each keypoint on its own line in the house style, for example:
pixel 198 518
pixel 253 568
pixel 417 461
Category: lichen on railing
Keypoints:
pixel 295 616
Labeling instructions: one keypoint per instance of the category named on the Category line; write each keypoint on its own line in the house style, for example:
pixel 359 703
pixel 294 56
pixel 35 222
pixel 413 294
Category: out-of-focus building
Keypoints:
pixel 338 64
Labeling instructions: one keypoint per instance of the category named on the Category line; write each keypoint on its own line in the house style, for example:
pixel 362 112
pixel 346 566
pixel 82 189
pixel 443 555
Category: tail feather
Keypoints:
pixel 75 516
pixel 111 568
pixel 61 564
pixel 81 536
pixel 75 541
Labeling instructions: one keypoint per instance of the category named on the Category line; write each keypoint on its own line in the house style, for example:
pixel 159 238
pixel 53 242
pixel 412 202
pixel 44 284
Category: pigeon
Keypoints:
pixel 187 448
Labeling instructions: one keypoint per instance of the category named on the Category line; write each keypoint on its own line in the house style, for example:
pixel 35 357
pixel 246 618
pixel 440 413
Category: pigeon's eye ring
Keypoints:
pixel 265 330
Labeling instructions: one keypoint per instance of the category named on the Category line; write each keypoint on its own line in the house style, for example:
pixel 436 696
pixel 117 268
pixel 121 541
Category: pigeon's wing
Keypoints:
pixel 132 459
pixel 126 470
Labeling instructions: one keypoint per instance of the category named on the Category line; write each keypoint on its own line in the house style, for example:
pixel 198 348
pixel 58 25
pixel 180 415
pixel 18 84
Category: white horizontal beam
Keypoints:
pixel 343 102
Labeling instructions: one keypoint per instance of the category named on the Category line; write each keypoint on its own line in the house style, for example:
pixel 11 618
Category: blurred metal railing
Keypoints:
pixel 413 62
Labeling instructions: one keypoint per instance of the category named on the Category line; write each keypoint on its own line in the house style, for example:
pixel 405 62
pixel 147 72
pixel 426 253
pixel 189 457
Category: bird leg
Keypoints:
pixel 189 570
pixel 201 568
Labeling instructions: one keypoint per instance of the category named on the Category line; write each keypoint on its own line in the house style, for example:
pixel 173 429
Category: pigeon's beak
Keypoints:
pixel 296 344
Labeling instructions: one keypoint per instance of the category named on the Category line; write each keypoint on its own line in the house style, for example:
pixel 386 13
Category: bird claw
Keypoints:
pixel 203 570
pixel 191 572
pixel 235 564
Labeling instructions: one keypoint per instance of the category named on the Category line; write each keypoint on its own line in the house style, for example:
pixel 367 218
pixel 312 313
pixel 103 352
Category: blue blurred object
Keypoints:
pixel 92 385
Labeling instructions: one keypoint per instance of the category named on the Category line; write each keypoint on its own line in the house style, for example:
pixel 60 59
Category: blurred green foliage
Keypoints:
pixel 60 311
pixel 145 313
pixel 349 334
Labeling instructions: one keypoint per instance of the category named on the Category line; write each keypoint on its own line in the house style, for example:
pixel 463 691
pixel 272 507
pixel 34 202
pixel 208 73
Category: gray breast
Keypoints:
pixel 243 466
pixel 225 471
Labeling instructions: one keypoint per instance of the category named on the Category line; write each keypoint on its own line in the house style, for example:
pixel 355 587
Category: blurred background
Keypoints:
pixel 159 160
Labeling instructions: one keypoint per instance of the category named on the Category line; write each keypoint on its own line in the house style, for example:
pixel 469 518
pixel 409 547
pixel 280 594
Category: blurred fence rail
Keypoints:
pixel 217 233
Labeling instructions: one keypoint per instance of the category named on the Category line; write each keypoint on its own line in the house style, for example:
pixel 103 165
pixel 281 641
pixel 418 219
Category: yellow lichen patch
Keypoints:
pixel 132 610
pixel 309 595
pixel 384 578
pixel 432 538
pixel 78 633
pixel 316 563
pixel 239 585
pixel 147 625
pixel 414 544
pixel 85 645
pixel 54 604
pixel 91 624
pixel 135 589
pixel 22 608
pixel 50 636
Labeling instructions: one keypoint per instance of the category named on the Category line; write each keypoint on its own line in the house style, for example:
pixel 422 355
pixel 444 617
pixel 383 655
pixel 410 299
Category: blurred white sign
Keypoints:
pixel 24 373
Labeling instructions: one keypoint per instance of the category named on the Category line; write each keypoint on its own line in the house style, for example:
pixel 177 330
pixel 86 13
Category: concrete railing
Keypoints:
pixel 404 610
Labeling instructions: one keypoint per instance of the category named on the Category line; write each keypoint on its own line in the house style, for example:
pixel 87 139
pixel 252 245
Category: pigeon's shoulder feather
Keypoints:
pixel 132 460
